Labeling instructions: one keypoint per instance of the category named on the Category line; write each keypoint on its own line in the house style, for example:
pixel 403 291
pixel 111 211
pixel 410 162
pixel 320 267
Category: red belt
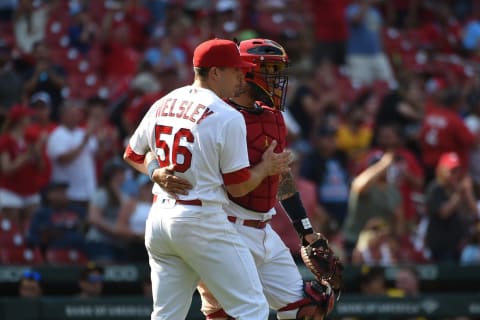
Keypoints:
pixel 258 224
pixel 194 202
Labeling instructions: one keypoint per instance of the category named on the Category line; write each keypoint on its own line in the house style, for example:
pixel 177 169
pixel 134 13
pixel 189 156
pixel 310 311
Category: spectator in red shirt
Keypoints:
pixel 121 57
pixel 120 43
pixel 443 130
pixel 443 33
pixel 330 30
pixel 139 20
pixel 20 161
pixel 40 129
pixel 129 16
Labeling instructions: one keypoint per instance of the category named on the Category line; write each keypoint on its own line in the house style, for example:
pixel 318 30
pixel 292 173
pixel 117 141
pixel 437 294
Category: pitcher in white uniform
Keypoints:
pixel 193 131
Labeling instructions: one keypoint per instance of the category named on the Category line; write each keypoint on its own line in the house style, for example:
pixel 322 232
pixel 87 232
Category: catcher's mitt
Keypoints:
pixel 322 262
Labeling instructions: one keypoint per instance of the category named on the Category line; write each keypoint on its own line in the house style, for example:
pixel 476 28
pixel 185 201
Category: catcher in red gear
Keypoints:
pixel 261 104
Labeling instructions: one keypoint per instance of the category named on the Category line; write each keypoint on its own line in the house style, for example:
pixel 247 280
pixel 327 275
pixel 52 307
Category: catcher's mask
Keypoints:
pixel 268 78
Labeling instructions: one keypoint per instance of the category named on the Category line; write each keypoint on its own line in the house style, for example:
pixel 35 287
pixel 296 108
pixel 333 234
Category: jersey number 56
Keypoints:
pixel 176 152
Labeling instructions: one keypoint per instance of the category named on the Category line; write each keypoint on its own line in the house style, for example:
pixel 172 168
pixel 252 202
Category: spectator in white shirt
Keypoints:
pixel 72 150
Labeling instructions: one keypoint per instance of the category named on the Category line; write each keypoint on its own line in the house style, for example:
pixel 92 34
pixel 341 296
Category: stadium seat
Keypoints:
pixel 95 57
pixel 20 255
pixel 84 85
pixel 10 233
pixel 65 256
pixel 11 239
pixel 56 31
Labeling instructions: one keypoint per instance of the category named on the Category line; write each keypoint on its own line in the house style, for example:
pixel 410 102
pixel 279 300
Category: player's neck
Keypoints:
pixel 199 83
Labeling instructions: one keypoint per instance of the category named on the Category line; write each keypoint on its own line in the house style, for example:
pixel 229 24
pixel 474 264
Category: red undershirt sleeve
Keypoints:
pixel 236 177
pixel 135 157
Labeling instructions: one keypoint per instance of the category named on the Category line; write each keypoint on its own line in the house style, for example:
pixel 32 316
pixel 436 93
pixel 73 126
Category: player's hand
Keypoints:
pixel 277 162
pixel 309 238
pixel 169 182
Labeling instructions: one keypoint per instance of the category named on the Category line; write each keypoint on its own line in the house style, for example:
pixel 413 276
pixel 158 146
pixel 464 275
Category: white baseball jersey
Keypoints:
pixel 202 142
pixel 204 137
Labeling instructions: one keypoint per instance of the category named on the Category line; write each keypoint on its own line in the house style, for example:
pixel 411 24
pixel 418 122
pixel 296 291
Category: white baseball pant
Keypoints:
pixel 278 272
pixel 188 243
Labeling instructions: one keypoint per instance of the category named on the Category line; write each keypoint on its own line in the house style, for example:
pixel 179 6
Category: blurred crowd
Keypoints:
pixel 383 117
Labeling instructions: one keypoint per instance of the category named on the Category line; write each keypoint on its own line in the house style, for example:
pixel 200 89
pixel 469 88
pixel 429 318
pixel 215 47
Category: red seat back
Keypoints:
pixel 65 256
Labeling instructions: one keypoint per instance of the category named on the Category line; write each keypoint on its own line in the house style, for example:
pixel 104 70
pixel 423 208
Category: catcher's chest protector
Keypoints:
pixel 262 128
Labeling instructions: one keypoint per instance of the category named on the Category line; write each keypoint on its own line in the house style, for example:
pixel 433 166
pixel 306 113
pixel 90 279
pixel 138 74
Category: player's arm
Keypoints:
pixel 287 187
pixel 136 161
pixel 237 183
pixel 164 177
pixel 291 202
pixel 241 182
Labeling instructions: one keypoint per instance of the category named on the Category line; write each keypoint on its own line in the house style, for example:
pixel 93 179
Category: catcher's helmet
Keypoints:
pixel 268 77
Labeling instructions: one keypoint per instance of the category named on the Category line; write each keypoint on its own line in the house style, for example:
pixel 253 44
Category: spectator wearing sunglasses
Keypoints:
pixel 91 281
pixel 30 284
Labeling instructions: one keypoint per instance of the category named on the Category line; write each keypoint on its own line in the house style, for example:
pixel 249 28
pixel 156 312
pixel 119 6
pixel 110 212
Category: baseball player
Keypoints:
pixel 194 130
pixel 260 104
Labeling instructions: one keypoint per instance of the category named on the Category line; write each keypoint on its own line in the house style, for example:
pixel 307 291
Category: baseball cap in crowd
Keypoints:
pixel 18 112
pixel 31 275
pixel 41 97
pixel 449 161
pixel 219 53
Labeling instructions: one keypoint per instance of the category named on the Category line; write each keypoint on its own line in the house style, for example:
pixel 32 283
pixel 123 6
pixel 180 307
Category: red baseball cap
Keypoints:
pixel 219 53
pixel 18 112
pixel 449 161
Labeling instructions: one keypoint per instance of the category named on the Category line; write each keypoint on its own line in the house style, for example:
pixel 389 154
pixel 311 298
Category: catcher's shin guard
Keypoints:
pixel 321 295
pixel 318 302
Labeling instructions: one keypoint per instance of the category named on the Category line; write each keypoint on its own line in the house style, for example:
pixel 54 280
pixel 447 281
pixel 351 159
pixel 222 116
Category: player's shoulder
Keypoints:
pixel 175 94
pixel 227 111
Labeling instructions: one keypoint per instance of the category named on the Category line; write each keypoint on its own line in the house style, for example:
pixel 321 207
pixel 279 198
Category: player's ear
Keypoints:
pixel 214 72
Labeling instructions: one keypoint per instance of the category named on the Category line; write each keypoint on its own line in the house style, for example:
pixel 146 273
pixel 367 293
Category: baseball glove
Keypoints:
pixel 323 263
